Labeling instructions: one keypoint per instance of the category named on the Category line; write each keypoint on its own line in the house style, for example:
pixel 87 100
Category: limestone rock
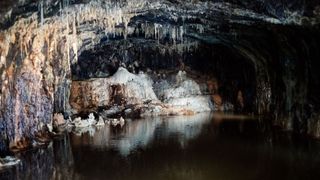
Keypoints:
pixel 194 103
pixel 8 161
pixel 58 120
pixel 122 88
pixel 100 122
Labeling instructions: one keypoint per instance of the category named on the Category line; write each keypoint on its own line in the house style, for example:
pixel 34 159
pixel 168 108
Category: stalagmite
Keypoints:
pixel 100 122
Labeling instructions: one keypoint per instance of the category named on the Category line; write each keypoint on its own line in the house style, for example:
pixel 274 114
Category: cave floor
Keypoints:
pixel 204 146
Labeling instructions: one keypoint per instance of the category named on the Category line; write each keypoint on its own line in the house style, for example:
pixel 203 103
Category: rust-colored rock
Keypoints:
pixel 89 95
pixel 217 99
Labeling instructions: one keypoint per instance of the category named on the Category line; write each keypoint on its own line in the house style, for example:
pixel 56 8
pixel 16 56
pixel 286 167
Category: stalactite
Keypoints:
pixel 173 35
pixel 75 44
pixel 47 40
pixel 200 28
pixel 21 49
pixel 126 22
pixel 67 38
pixel 65 3
pixel 78 16
pixel 41 13
pixel 60 8
pixel 157 31
pixel 181 29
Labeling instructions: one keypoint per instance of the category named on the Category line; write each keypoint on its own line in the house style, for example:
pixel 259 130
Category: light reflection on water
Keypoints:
pixel 139 133
pixel 204 146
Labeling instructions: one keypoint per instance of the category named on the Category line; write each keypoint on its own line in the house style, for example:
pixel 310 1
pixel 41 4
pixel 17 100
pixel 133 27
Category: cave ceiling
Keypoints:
pixel 215 21
pixel 168 11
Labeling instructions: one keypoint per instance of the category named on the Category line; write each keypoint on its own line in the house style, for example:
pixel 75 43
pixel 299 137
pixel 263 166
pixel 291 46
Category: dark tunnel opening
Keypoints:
pixel 232 75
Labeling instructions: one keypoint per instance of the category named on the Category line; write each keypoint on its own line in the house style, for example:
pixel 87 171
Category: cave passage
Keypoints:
pixel 220 71
pixel 159 89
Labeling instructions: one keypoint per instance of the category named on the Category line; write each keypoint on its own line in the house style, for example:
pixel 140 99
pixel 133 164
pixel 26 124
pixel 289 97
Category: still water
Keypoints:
pixel 204 146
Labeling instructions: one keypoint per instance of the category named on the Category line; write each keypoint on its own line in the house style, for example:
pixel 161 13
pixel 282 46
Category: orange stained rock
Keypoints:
pixel 20 144
pixel 58 119
pixel 2 37
pixel 217 99
pixel 187 112
pixel 240 99
pixel 10 70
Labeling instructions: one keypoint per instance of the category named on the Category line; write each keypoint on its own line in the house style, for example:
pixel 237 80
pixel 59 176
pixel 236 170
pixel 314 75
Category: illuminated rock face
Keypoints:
pixel 136 94
pixel 41 43
pixel 123 88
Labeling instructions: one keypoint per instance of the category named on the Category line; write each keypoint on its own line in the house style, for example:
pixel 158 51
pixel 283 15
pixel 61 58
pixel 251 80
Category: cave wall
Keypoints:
pixel 286 62
pixel 32 74
pixel 36 54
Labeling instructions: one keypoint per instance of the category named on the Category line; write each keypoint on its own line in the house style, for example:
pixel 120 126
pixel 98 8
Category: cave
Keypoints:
pixel 159 89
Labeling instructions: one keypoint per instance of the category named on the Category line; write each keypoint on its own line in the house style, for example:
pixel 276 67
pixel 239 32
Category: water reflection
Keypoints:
pixel 205 146
pixel 139 133
pixel 52 162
